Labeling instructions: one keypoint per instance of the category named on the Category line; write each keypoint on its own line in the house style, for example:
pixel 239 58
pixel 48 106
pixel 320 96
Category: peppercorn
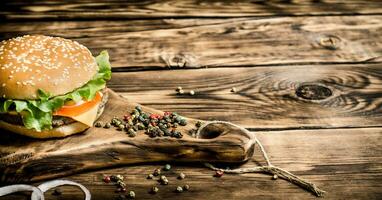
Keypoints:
pixel 154 190
pixel 106 179
pixel 167 167
pixel 163 180
pixel 219 173
pixel 180 92
pixel 186 187
pixel 166 132
pixel 233 89
pixel 177 134
pixel 181 176
pixel 121 184
pixel 131 195
pixel 98 124
pixel 183 122
pixel 274 177
pixel 198 124
pixel 139 108
pixel 179 189
pixel 131 133
pixel 156 172
pixel 121 127
pixel 192 92
pixel 150 176
pixel 107 125
pixel 175 125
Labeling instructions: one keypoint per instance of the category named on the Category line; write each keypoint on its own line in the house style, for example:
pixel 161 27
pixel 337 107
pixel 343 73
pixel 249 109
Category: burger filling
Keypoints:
pixel 81 105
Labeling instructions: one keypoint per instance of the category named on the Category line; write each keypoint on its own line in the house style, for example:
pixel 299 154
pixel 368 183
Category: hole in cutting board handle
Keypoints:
pixel 212 130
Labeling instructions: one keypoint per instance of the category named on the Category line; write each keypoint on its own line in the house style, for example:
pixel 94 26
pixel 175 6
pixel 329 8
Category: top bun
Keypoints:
pixel 53 64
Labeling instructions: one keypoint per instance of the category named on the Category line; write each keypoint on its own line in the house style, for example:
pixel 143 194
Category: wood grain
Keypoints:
pixel 266 97
pixel 195 43
pixel 25 160
pixel 119 9
pixel 347 163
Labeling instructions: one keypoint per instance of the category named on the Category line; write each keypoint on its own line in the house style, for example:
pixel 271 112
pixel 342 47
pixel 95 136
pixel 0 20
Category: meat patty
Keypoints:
pixel 57 120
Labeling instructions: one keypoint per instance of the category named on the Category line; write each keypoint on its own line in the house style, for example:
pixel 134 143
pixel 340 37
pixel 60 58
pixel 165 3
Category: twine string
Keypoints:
pixel 268 168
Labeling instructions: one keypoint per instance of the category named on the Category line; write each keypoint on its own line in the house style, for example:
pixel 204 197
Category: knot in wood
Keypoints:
pixel 313 92
pixel 331 42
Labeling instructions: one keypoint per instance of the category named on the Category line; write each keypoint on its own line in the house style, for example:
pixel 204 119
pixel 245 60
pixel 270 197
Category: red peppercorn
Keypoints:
pixel 219 173
pixel 153 116
pixel 167 113
pixel 106 179
pixel 126 117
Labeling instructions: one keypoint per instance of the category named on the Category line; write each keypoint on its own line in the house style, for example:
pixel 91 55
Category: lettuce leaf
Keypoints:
pixel 38 114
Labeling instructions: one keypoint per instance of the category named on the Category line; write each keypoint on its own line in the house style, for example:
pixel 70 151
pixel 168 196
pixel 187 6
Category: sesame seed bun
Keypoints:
pixel 53 64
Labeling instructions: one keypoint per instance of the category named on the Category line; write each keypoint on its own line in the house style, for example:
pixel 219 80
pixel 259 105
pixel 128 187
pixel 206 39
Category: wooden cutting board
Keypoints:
pixel 27 160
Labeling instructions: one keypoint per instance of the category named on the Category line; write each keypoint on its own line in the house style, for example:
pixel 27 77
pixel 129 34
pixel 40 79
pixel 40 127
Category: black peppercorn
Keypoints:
pixel 131 195
pixel 107 125
pixel 139 108
pixel 121 127
pixel 181 176
pixel 198 124
pixel 154 190
pixel 183 122
pixel 179 189
pixel 98 124
pixel 157 172
pixel 150 176
pixel 186 187
pixel 131 133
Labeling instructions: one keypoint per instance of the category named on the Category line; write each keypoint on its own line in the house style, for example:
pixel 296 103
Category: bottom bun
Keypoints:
pixel 58 132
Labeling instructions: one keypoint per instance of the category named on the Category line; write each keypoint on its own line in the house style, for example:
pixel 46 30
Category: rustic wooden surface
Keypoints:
pixel 307 73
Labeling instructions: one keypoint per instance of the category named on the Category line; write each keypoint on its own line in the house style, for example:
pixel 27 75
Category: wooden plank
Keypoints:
pixel 347 163
pixel 197 43
pixel 278 97
pixel 85 9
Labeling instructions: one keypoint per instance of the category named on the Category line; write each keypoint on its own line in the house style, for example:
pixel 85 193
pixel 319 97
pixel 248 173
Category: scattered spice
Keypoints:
pixel 179 89
pixel 131 195
pixel 121 127
pixel 107 125
pixel 186 187
pixel 154 190
pixel 192 92
pixel 274 177
pixel 181 176
pixel 98 124
pixel 150 176
pixel 156 172
pixel 233 89
pixel 167 167
pixel 198 124
pixel 219 173
pixel 179 189
pixel 106 179
pixel 163 180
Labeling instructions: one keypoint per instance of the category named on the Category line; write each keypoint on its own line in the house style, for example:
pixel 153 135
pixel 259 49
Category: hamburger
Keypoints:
pixel 50 86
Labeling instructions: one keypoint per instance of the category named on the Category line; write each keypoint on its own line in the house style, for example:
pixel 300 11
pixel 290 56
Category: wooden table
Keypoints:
pixel 308 76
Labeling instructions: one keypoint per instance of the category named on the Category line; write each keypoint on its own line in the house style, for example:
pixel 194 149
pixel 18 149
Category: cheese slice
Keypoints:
pixel 87 117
